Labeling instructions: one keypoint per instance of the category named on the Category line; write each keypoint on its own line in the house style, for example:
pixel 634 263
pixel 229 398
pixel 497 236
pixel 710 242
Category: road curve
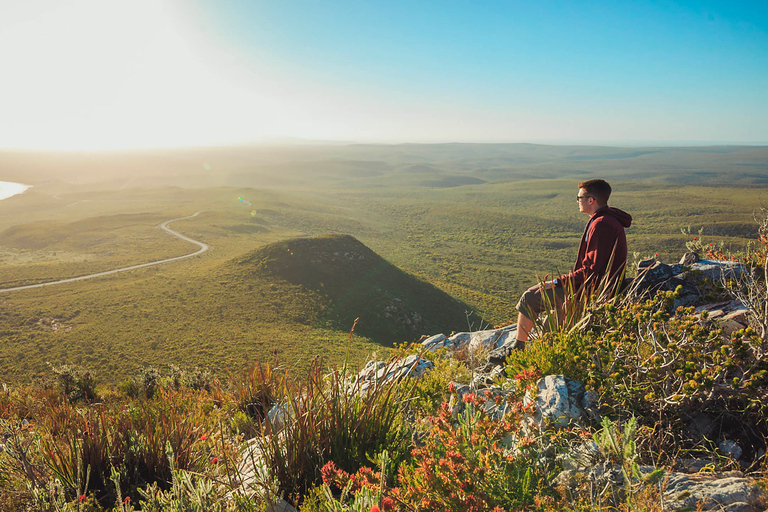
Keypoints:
pixel 163 226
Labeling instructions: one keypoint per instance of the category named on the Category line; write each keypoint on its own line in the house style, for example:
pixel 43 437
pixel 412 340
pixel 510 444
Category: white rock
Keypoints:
pixel 459 340
pixel 558 401
pixel 489 340
pixel 716 269
pixel 279 415
pixel 434 342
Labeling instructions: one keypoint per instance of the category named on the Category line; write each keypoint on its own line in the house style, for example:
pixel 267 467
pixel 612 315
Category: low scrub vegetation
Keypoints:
pixel 106 427
pixel 481 244
pixel 171 439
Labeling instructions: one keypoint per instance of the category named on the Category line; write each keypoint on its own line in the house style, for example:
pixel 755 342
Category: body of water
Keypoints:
pixel 8 189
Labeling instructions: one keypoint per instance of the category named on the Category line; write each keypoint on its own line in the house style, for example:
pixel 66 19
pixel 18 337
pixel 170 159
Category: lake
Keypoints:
pixel 8 189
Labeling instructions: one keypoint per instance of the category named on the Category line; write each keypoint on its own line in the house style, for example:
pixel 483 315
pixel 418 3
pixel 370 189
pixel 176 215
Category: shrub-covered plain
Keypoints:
pixel 482 243
pixel 146 390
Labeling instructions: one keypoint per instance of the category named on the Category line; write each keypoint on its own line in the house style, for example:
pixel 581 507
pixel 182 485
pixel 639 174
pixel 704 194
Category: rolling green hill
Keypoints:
pixel 351 281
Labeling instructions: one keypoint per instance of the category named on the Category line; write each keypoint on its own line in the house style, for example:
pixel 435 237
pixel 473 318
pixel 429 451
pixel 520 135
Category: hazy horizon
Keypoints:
pixel 287 143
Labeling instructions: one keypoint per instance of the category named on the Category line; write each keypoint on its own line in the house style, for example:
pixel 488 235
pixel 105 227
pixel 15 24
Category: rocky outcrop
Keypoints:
pixel 691 275
pixel 730 492
pixel 474 341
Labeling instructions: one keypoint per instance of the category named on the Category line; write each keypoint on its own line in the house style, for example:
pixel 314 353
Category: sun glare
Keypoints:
pixel 92 74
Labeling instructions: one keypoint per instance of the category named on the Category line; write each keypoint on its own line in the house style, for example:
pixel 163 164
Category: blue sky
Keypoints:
pixel 202 72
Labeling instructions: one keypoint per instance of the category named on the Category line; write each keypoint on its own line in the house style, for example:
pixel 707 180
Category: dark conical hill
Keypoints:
pixel 392 305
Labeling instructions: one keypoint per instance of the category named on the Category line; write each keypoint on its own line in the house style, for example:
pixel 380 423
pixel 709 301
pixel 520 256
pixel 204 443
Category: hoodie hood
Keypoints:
pixel 623 217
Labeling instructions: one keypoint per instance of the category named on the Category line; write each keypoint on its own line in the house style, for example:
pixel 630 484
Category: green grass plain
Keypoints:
pixel 478 221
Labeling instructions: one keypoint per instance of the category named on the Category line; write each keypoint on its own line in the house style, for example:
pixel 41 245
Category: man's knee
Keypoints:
pixel 529 304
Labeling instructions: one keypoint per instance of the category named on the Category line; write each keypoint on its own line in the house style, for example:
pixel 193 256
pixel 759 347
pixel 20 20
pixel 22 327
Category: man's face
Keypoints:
pixel 587 203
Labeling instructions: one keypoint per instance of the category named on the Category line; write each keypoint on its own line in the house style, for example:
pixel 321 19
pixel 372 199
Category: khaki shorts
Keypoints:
pixel 531 303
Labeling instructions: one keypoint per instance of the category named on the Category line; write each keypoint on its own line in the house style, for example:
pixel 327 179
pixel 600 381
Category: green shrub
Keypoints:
pixel 76 383
pixel 662 368
pixel 552 354
pixel 431 389
pixel 145 383
pixel 191 492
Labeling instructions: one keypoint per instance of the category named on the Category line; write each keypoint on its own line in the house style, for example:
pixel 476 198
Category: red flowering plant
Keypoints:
pixel 362 491
pixel 473 465
pixel 710 250
pixel 752 255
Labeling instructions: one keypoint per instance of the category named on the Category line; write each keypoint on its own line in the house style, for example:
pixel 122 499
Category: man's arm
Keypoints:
pixel 601 241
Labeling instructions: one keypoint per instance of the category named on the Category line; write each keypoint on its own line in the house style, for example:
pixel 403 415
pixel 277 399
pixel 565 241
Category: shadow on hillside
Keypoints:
pixel 392 305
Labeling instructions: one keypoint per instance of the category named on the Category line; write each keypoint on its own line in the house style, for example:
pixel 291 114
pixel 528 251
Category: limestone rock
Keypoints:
pixel 730 326
pixel 731 315
pixel 379 371
pixel 476 341
pixel 653 276
pixel 731 492
pixel 691 465
pixel 499 355
pixel 251 470
pixel 717 270
pixel 730 448
pixel 279 415
pixel 487 377
pixel 459 340
pixel 559 401
pixel 738 315
pixel 434 343
pixel 491 339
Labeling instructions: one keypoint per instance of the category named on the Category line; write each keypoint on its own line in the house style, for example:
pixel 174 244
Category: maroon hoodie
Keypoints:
pixel 603 236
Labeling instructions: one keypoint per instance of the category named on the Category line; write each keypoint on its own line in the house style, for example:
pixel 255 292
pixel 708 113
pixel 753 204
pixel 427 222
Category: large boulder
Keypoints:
pixel 658 276
pixel 688 276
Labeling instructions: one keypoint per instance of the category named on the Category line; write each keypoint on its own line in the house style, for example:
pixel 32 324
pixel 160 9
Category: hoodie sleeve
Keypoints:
pixel 601 239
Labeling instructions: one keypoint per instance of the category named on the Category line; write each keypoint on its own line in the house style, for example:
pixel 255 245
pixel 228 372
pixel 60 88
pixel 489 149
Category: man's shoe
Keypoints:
pixel 518 345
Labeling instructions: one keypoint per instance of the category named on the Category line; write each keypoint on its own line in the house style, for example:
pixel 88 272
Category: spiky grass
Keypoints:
pixel 322 421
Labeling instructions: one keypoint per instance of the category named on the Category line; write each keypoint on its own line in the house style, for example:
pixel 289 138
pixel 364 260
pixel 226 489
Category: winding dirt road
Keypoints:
pixel 163 226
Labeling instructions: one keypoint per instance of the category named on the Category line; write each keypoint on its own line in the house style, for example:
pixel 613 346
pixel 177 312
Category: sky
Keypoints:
pixel 113 74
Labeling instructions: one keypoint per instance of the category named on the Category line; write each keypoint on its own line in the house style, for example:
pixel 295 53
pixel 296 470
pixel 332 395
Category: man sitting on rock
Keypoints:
pixel 603 242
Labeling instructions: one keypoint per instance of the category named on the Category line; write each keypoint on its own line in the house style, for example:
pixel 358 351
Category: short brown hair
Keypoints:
pixel 599 189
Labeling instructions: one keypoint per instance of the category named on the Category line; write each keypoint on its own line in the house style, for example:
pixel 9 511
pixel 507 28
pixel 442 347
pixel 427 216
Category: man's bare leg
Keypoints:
pixel 524 327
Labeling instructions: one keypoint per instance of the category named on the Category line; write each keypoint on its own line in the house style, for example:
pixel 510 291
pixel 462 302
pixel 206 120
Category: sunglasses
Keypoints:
pixel 579 198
